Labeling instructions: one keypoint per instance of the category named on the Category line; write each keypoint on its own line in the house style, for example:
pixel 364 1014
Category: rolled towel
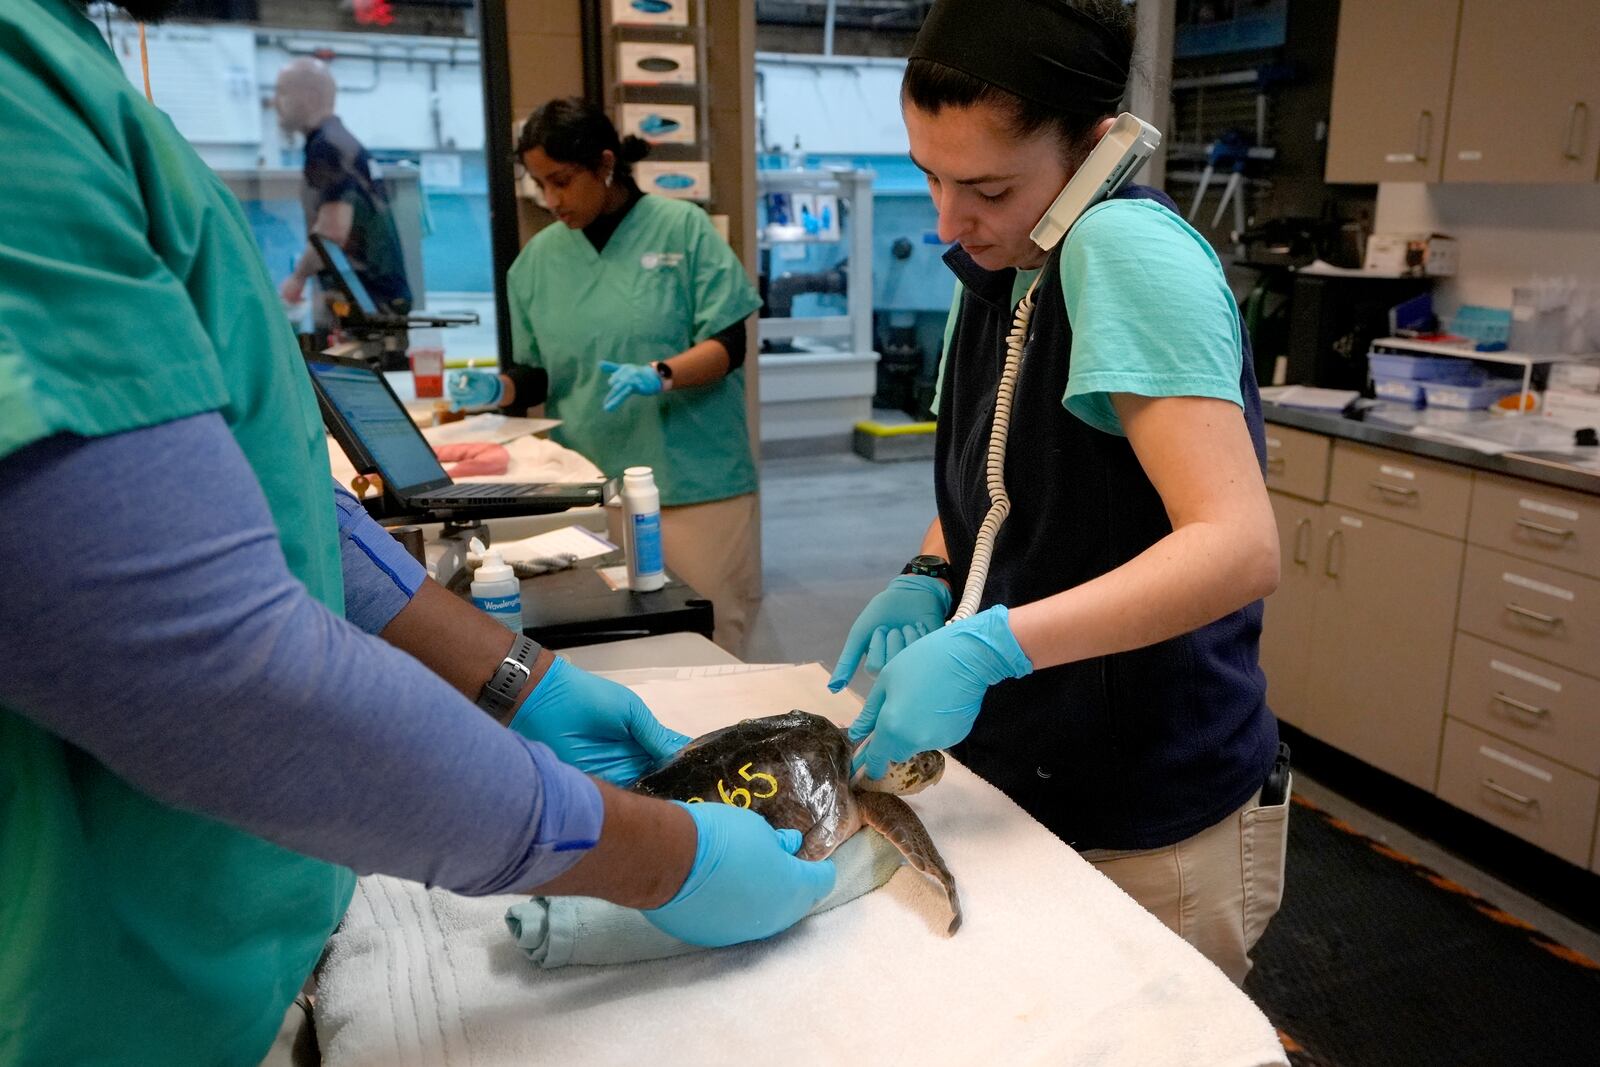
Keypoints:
pixel 581 931
pixel 475 459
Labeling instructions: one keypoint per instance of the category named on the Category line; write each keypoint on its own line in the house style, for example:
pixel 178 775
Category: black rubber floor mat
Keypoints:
pixel 1375 960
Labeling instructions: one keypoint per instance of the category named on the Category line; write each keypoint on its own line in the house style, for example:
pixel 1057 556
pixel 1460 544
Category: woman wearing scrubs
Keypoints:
pixel 1109 683
pixel 635 307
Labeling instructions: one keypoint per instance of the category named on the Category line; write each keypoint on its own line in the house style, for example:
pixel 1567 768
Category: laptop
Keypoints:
pixel 372 426
pixel 364 310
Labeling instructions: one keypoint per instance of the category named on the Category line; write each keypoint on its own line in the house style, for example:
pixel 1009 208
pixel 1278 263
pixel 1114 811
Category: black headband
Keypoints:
pixel 1045 51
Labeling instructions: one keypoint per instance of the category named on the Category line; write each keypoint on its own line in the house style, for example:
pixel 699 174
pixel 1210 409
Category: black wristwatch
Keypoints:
pixel 499 694
pixel 664 372
pixel 932 566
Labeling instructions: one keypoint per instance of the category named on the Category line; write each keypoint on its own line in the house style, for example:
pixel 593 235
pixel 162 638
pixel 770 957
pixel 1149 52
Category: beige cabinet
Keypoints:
pixel 1391 89
pixel 1408 489
pixel 1519 791
pixel 1442 625
pixel 1297 463
pixel 1286 629
pixel 1381 633
pixel 1525 106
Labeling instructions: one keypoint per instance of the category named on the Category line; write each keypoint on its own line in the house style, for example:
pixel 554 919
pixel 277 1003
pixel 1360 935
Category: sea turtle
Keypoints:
pixel 794 770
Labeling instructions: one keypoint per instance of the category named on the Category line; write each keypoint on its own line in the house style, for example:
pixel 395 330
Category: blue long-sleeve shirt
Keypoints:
pixel 147 616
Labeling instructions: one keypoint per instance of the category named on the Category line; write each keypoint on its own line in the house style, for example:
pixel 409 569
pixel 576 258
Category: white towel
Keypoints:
pixel 1053 965
pixel 581 931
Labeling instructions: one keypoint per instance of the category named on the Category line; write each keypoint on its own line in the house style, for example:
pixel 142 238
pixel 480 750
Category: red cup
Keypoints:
pixel 427 371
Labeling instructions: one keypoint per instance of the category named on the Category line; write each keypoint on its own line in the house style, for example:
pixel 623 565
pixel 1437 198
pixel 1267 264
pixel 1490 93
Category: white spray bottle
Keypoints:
pixel 496 589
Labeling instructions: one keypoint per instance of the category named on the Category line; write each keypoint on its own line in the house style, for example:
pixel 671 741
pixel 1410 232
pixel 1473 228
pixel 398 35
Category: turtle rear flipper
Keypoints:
pixel 894 819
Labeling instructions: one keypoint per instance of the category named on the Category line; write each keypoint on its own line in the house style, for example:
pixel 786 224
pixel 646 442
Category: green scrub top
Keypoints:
pixel 134 294
pixel 665 281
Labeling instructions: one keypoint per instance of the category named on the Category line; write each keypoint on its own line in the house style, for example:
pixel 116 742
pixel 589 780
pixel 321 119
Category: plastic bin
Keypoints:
pixel 1467 397
pixel 1403 390
pixel 1482 325
pixel 1425 369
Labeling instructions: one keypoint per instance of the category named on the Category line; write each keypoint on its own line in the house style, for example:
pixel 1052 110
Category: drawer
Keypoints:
pixel 1418 492
pixel 1519 791
pixel 1545 612
pixel 1552 711
pixel 1297 462
pixel 1529 520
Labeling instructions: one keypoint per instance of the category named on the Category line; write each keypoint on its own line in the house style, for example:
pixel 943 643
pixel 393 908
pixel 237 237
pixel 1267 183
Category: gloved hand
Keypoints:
pixel 913 606
pixel 930 695
pixel 629 379
pixel 745 883
pixel 474 389
pixel 596 725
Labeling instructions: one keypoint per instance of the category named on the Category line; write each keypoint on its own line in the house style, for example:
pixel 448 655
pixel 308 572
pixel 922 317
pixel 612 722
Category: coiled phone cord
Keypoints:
pixel 999 432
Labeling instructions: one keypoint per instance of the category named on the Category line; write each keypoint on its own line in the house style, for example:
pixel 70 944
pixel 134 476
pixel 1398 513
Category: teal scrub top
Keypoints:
pixel 665 281
pixel 133 295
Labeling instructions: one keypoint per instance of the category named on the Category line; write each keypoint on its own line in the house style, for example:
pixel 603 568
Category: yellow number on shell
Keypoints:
pixel 695 800
pixel 744 772
pixel 729 798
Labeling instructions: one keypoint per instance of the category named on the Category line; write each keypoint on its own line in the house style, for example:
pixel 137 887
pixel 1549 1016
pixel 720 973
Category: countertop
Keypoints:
pixel 1567 472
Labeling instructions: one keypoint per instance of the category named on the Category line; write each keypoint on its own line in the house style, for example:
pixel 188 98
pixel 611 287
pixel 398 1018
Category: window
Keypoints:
pixel 402 146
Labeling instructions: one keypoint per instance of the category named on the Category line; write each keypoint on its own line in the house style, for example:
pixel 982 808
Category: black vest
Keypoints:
pixel 1135 750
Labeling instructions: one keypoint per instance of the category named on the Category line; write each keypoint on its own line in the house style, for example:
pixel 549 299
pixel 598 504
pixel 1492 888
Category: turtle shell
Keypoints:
pixel 792 769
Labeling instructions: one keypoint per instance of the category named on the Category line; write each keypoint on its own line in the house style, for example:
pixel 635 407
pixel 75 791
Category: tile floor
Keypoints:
pixel 836 527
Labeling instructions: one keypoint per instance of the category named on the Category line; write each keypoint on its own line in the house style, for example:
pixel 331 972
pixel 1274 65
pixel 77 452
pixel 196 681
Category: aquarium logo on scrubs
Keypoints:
pixel 660 260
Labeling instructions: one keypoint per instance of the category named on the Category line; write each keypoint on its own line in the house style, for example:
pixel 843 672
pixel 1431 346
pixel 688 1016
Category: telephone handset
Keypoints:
pixel 1112 162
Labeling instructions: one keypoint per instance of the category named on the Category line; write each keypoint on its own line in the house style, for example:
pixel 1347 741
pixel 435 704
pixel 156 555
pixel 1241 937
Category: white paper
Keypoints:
pixel 495 429
pixel 1306 396
pixel 573 541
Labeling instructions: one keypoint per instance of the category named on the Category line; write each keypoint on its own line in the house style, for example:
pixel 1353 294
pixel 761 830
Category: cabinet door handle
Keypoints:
pixel 1510 794
pixel 1536 616
pixel 1302 543
pixel 1393 490
pixel 1424 135
pixel 1327 563
pixel 1573 127
pixel 1275 464
pixel 1539 527
pixel 1518 705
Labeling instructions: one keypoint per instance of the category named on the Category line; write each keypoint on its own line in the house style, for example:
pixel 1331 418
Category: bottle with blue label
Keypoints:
pixel 641 507
pixel 496 589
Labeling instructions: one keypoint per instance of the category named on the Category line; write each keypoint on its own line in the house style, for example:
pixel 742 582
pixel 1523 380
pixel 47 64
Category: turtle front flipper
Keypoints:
pixel 894 819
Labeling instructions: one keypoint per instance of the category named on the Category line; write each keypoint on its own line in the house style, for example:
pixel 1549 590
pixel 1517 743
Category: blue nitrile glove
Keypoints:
pixel 745 883
pixel 596 725
pixel 929 696
pixel 474 389
pixel 912 606
pixel 629 379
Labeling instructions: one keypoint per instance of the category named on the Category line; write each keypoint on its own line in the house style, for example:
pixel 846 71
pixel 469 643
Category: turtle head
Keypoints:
pixel 912 776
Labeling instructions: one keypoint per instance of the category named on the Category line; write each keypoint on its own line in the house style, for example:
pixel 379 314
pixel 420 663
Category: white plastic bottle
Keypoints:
pixel 496 589
pixel 641 531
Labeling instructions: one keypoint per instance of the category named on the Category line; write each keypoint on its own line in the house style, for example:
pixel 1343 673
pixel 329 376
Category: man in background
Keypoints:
pixel 343 193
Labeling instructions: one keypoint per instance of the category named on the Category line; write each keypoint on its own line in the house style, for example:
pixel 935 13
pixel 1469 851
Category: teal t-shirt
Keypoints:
pixel 132 293
pixel 1151 312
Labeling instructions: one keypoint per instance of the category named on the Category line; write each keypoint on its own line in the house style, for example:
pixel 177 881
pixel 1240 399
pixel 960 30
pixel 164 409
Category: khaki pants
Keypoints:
pixel 713 547
pixel 296 1043
pixel 1218 889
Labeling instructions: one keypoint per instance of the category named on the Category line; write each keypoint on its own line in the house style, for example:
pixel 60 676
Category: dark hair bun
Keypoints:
pixel 633 149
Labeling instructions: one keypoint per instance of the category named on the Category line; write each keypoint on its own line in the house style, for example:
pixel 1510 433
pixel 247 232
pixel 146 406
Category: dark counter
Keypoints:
pixel 1550 470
